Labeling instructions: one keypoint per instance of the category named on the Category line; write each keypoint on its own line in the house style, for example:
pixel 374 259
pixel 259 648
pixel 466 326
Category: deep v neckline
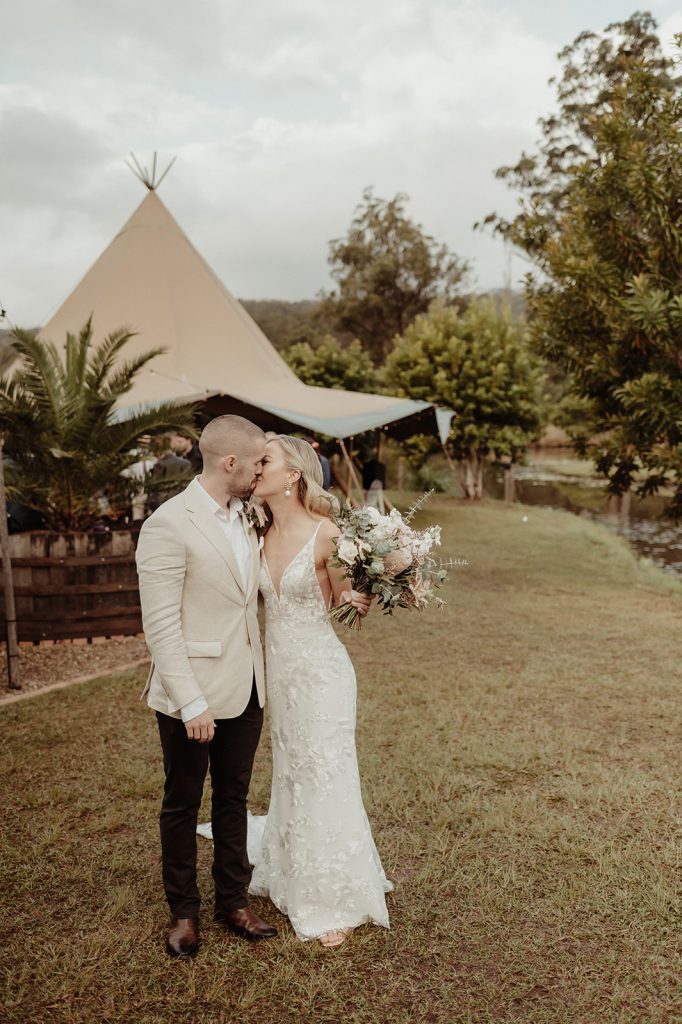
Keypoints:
pixel 289 564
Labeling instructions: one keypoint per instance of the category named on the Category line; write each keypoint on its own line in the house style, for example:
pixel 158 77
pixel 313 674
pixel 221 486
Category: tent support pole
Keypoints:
pixel 353 478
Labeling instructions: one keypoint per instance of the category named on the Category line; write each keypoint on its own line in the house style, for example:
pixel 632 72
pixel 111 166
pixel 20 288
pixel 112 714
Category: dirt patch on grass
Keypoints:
pixel 49 664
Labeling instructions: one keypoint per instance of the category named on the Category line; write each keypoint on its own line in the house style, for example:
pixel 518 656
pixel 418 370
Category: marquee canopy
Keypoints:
pixel 152 280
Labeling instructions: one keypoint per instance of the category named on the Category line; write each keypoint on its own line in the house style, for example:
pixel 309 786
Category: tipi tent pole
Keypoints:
pixel 353 478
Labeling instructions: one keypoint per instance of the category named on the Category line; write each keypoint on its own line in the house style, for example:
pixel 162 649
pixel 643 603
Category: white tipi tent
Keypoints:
pixel 152 280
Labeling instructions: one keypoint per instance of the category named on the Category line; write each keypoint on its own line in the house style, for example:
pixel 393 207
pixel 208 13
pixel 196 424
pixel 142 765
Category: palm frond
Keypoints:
pixel 122 380
pixel 166 416
pixel 103 359
pixel 66 442
pixel 40 375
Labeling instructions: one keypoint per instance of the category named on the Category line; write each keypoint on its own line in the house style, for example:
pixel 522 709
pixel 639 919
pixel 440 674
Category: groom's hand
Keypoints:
pixel 201 728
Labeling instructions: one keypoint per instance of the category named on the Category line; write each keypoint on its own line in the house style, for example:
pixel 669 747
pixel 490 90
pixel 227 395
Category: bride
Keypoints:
pixel 317 860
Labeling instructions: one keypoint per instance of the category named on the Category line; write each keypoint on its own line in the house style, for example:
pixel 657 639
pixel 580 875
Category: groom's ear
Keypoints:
pixel 229 462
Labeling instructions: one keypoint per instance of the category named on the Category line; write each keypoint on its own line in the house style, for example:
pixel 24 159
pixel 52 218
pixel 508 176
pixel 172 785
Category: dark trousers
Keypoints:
pixel 230 755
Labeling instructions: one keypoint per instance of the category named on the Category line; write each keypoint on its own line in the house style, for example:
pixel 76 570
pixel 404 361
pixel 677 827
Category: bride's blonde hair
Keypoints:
pixel 300 456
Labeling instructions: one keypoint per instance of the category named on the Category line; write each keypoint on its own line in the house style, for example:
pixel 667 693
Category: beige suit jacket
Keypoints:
pixel 200 621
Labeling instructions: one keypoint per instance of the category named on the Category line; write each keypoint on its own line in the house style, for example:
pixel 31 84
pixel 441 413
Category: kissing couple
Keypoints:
pixel 200 565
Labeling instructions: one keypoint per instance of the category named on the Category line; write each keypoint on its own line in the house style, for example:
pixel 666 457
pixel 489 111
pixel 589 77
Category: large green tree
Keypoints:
pixel 479 365
pixel 387 271
pixel 333 365
pixel 66 443
pixel 601 217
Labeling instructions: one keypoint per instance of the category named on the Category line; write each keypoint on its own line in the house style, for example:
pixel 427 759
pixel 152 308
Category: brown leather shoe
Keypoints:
pixel 183 937
pixel 245 923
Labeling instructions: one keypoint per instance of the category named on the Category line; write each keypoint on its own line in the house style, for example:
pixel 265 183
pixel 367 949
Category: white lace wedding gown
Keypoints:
pixel 317 860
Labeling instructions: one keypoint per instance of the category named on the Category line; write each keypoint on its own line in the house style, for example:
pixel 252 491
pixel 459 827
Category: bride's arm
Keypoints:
pixel 342 592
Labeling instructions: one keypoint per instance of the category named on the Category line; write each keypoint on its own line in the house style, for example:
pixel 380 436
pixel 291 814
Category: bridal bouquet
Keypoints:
pixel 383 555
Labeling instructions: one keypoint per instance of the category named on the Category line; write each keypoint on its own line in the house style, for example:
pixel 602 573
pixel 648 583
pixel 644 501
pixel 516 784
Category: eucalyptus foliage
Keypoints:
pixel 66 445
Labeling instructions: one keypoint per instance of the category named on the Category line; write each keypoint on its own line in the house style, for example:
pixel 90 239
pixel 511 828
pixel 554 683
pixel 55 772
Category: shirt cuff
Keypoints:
pixel 194 708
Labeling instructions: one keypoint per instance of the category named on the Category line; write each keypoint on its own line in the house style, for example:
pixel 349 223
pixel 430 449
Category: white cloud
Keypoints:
pixel 279 114
pixel 669 28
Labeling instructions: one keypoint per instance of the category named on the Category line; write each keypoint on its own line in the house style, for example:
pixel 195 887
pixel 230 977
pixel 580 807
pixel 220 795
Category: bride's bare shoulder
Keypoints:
pixel 328 529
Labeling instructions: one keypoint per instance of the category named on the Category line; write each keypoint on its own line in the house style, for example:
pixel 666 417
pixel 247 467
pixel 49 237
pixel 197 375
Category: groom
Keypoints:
pixel 197 562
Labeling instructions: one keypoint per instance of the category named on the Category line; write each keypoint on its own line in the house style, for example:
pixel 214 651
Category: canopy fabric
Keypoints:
pixel 152 280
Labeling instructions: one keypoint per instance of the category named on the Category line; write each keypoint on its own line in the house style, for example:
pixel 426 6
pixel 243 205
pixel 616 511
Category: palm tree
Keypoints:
pixel 64 439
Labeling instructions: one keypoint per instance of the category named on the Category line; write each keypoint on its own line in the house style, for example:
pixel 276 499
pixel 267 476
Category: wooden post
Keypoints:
pixel 13 670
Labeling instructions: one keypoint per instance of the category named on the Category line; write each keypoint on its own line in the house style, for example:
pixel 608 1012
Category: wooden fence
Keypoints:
pixel 70 585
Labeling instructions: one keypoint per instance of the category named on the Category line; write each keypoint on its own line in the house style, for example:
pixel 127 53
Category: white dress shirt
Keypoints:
pixel 233 527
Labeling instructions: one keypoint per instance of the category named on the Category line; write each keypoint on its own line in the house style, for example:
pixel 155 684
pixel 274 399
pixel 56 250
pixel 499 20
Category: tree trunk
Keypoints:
pixel 13 671
pixel 472 476
pixel 509 484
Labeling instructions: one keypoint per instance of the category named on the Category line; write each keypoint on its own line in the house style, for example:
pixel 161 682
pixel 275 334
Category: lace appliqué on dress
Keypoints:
pixel 317 860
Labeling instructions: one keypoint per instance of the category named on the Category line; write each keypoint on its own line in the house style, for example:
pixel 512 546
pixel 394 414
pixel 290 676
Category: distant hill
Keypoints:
pixel 285 323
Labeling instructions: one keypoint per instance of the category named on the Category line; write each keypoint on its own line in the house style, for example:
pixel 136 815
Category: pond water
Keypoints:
pixel 557 479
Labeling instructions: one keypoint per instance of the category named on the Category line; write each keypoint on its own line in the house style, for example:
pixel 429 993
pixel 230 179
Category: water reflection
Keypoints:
pixel 548 481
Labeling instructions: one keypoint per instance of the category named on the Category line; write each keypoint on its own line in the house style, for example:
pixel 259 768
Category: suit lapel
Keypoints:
pixel 206 523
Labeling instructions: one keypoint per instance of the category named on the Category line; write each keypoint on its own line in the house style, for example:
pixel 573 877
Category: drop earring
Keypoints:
pixel 287 489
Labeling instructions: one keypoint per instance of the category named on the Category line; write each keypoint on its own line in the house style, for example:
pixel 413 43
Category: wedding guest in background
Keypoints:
pixel 187 448
pixel 170 474
pixel 323 460
pixel 374 482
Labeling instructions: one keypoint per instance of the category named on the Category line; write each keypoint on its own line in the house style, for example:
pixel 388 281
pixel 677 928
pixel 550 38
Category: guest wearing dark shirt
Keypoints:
pixel 188 449
pixel 373 483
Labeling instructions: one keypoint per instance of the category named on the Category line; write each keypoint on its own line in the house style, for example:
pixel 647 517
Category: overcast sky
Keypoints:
pixel 279 112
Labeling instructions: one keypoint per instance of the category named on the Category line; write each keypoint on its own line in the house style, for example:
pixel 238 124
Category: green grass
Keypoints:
pixel 519 754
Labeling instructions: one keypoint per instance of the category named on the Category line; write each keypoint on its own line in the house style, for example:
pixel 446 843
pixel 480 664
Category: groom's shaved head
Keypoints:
pixel 228 435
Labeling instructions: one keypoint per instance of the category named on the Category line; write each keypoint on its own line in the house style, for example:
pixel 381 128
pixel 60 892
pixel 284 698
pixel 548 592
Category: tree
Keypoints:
pixel 600 218
pixel 332 365
pixel 478 364
pixel 387 272
pixel 65 443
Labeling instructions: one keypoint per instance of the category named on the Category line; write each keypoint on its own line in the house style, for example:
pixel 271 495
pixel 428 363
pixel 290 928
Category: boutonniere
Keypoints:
pixel 254 515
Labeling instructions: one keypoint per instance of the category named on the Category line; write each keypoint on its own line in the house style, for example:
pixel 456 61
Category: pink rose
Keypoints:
pixel 420 590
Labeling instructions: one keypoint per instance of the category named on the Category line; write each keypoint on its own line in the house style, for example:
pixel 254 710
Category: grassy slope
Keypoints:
pixel 518 753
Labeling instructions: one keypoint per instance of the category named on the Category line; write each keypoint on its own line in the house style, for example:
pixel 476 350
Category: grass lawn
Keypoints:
pixel 520 758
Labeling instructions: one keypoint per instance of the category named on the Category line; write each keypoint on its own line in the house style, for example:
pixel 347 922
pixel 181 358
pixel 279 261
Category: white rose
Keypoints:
pixel 382 531
pixel 421 546
pixel 347 551
pixel 373 514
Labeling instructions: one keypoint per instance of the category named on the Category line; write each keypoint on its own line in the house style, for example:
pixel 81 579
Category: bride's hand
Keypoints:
pixel 360 601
